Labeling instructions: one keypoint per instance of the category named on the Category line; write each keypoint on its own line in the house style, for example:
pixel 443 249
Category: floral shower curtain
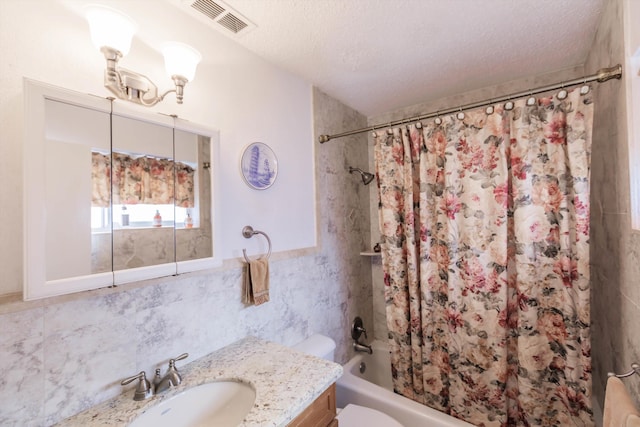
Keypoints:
pixel 485 228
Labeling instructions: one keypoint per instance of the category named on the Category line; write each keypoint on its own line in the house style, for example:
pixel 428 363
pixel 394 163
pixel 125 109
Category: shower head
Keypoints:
pixel 366 176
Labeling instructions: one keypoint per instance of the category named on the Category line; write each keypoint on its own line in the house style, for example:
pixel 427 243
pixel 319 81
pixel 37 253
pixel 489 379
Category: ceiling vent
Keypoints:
pixel 220 16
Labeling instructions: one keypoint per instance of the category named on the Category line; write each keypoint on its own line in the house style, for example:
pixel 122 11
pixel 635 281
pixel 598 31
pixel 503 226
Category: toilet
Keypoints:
pixel 352 415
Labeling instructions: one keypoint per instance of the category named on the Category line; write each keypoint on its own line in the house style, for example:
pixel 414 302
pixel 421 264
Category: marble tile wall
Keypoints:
pixel 615 247
pixel 62 355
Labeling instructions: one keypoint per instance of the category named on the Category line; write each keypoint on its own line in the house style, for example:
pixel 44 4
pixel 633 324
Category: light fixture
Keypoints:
pixel 366 176
pixel 111 32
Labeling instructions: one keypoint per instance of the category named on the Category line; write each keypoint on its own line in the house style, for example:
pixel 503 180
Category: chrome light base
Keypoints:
pixel 135 87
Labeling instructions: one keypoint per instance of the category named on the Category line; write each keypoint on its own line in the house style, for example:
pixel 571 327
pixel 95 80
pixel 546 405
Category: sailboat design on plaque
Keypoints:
pixel 259 166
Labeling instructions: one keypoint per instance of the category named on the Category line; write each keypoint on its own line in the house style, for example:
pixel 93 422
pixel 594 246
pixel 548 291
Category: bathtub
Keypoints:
pixel 374 389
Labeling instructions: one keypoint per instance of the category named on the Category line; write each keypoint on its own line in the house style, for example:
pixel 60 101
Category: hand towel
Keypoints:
pixel 256 282
pixel 619 410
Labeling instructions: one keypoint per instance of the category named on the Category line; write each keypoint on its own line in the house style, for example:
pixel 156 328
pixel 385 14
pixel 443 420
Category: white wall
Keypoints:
pixel 235 91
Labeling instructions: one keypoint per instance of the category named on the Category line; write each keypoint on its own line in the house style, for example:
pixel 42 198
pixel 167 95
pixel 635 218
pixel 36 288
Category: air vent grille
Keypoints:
pixel 232 23
pixel 220 16
pixel 209 8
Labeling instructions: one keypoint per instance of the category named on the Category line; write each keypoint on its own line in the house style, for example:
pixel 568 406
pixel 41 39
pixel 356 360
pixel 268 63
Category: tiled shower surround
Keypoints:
pixel 615 248
pixel 62 355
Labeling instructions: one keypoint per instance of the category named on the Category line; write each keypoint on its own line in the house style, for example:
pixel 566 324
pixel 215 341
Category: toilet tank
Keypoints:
pixel 318 345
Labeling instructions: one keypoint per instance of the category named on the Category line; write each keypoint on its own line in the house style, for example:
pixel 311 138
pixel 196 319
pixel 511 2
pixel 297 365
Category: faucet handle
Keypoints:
pixel 357 329
pixel 172 365
pixel 172 362
pixel 181 357
pixel 143 389
pixel 364 331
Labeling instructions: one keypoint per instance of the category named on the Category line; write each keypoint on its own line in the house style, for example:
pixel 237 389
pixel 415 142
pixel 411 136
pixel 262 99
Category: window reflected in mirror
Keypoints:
pixel 152 192
pixel 142 182
pixel 194 239
pixel 143 191
pixel 112 195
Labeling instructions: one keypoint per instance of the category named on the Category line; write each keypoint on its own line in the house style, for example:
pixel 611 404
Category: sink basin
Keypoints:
pixel 220 404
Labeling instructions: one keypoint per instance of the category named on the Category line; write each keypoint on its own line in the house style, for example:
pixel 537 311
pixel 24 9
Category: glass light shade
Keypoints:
pixel 110 27
pixel 181 59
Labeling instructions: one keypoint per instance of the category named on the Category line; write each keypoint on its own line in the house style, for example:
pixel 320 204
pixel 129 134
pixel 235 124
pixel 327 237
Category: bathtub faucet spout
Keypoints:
pixel 357 329
pixel 364 348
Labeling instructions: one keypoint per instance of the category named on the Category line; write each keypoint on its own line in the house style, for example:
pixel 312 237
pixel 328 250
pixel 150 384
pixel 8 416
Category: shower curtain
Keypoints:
pixel 485 231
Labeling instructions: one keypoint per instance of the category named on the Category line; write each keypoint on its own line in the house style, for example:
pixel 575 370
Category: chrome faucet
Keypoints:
pixel 357 329
pixel 172 377
pixel 144 389
pixel 363 348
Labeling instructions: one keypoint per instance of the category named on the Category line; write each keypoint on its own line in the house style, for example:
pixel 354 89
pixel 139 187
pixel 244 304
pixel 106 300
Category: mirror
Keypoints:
pixel 74 245
pixel 142 189
pixel 196 156
pixel 113 195
pixel 193 196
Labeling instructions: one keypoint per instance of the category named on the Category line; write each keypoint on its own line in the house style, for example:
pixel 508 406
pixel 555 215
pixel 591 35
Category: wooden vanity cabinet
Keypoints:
pixel 321 413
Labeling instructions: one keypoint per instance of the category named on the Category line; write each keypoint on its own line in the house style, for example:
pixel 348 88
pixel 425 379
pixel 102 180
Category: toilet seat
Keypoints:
pixel 358 416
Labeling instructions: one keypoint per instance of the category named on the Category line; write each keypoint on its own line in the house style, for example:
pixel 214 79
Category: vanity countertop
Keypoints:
pixel 285 380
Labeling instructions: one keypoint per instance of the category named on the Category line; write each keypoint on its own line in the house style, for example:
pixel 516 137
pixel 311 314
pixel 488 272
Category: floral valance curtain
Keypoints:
pixel 141 180
pixel 100 180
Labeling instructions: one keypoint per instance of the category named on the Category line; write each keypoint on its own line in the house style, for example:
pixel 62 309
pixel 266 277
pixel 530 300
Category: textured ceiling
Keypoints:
pixel 379 55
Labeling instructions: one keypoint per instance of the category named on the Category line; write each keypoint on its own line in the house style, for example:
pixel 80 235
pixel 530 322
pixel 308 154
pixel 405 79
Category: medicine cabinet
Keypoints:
pixel 113 195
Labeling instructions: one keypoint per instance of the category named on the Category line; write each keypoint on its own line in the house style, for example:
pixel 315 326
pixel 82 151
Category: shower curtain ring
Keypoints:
pixel 531 101
pixel 489 110
pixel 390 131
pixel 460 114
pixel 508 105
pixel 585 87
pixel 438 120
pixel 563 93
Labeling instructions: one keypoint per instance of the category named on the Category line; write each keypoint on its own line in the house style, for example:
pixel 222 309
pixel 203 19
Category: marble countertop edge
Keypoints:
pixel 285 380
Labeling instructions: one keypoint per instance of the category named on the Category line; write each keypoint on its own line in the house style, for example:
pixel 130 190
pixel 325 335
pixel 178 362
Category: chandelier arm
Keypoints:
pixel 154 101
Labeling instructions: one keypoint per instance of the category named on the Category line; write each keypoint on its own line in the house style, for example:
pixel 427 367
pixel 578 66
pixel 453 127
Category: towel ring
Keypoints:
pixel 635 369
pixel 248 232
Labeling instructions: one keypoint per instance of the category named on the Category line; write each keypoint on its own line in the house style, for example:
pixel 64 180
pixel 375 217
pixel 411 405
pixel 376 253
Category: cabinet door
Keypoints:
pixel 67 227
pixel 143 182
pixel 197 225
pixel 321 413
pixel 100 195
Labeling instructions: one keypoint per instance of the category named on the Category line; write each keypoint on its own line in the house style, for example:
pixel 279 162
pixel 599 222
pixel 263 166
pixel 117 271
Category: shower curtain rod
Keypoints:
pixel 601 76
